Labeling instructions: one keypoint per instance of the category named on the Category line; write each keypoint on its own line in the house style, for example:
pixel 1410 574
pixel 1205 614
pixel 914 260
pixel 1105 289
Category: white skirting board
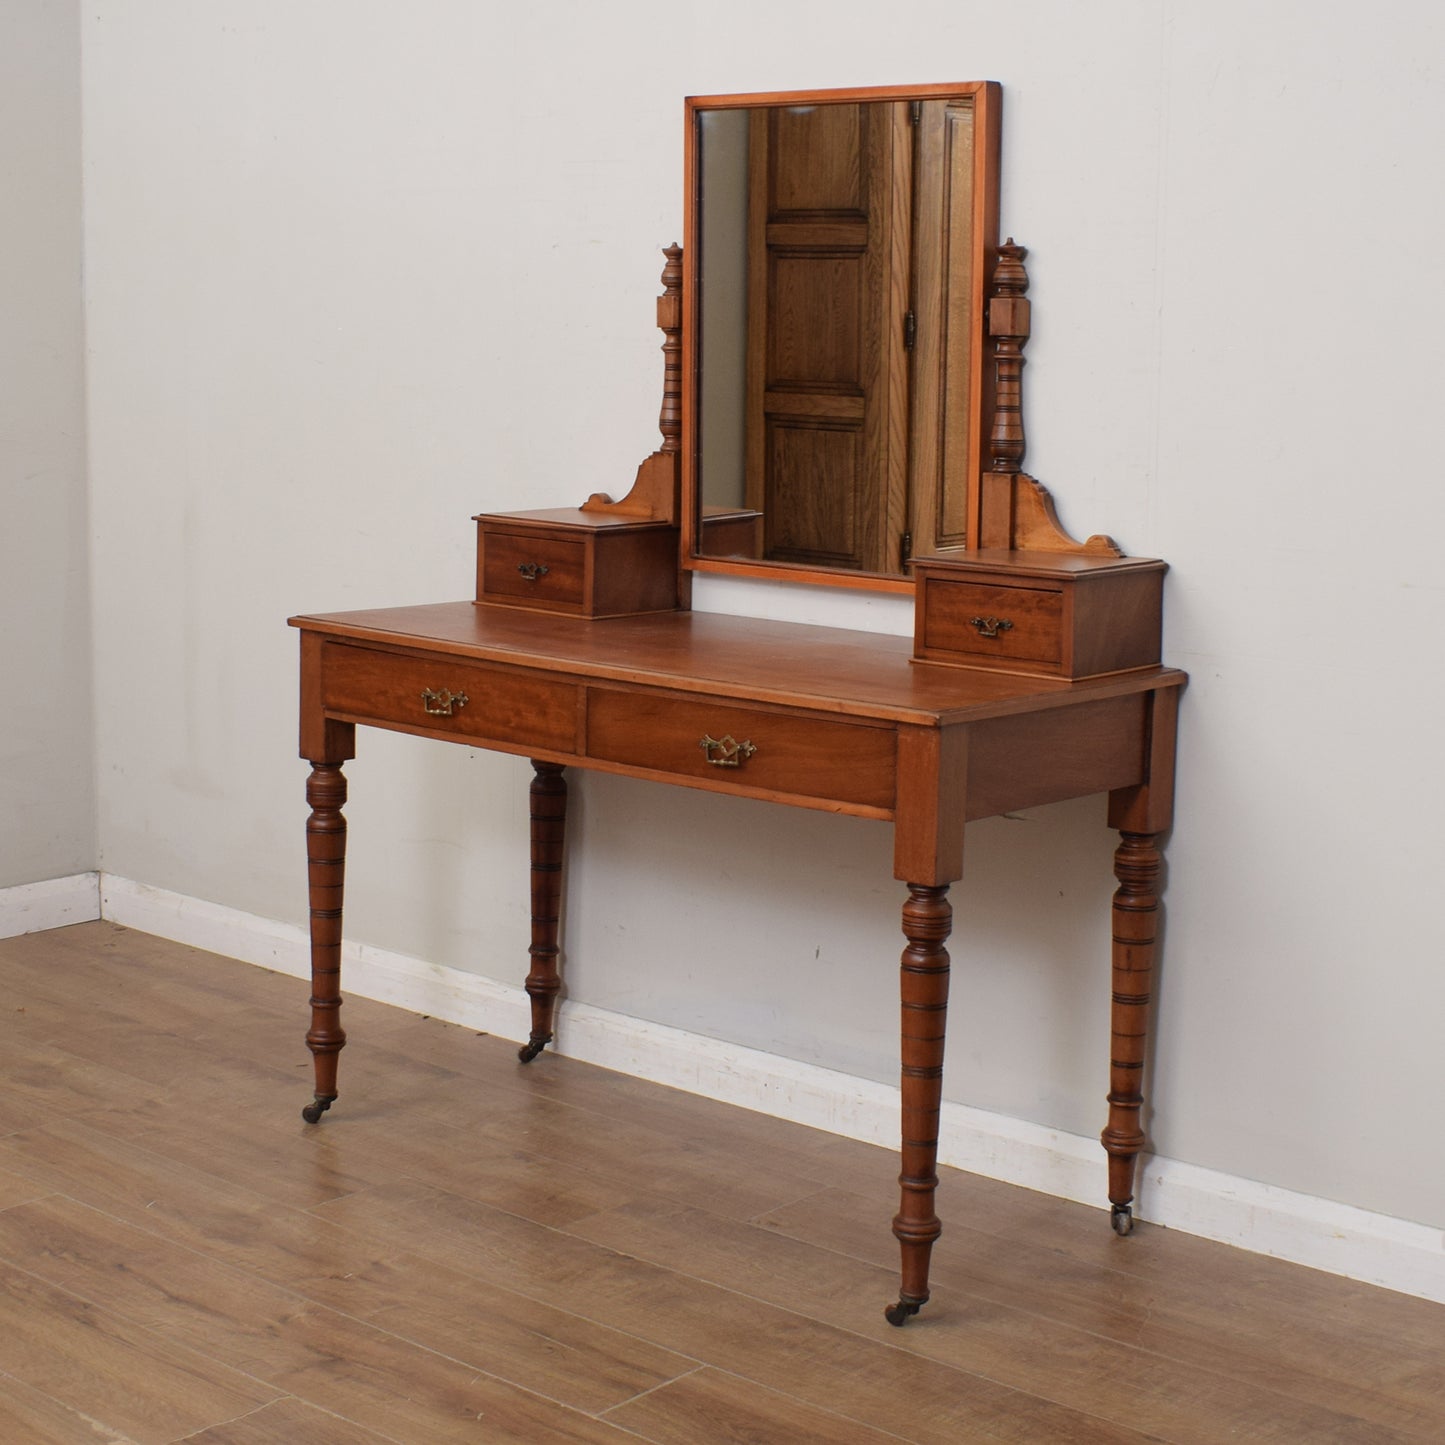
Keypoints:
pixel 1356 1243
pixel 34 907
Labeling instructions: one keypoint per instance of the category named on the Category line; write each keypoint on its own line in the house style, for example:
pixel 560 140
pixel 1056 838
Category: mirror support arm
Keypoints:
pixel 1009 325
pixel 655 495
pixel 1017 511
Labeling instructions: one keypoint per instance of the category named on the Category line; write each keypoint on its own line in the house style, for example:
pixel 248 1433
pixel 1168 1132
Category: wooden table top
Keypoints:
pixel 824 669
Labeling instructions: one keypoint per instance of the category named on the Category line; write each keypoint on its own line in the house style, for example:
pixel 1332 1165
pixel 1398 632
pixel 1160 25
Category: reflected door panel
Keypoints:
pixel 825 463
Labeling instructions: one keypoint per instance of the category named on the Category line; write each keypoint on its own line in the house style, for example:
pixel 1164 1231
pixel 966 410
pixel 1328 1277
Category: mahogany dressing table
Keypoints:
pixel 861 435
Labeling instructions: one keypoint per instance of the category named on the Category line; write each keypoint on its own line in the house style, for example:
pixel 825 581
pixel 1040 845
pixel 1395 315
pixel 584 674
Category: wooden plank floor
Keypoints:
pixel 465 1249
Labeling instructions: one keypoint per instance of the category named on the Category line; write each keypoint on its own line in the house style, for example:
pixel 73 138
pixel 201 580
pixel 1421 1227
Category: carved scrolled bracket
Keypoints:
pixel 654 495
pixel 1022 509
pixel 1017 511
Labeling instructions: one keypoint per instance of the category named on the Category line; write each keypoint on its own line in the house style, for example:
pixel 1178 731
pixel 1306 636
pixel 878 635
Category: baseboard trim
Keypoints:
pixel 55 903
pixel 1358 1244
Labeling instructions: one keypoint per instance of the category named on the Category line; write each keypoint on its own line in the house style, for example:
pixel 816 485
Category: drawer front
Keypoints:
pixel 525 568
pixel 1022 624
pixel 849 763
pixel 442 695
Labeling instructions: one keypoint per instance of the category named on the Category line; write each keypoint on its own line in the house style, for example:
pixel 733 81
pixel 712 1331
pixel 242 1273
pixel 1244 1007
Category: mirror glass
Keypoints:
pixel 838 246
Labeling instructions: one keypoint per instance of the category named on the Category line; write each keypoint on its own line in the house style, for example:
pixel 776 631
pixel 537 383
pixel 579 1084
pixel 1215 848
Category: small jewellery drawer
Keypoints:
pixel 1022 623
pixel 577 563
pixel 446 696
pixel 722 744
pixel 1043 614
pixel 529 568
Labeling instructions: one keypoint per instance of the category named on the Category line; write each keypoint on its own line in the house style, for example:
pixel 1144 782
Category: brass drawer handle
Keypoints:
pixel 443 703
pixel 532 570
pixel 727 751
pixel 990 626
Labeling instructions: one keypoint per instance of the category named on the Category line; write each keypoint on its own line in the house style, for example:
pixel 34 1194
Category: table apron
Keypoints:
pixel 720 743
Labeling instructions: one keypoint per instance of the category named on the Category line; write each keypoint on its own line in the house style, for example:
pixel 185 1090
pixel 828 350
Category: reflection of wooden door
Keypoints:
pixel 827 378
pixel 948 375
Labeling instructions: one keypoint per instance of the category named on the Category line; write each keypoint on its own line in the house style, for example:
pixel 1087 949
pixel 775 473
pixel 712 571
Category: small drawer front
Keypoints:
pixel 723 744
pixel 1023 624
pixel 528 568
pixel 443 695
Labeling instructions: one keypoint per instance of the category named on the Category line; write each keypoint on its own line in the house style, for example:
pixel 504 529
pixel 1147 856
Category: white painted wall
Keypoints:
pixel 358 271
pixel 47 794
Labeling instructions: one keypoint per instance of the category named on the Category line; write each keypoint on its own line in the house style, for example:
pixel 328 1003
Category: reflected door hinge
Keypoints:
pixel 910 330
pixel 905 549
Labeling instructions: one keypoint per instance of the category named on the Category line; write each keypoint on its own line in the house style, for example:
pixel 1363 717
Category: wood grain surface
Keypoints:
pixel 477 1251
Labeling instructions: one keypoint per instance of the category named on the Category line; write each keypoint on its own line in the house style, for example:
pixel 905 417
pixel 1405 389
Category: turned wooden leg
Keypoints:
pixel 1136 911
pixel 923 987
pixel 549 823
pixel 326 876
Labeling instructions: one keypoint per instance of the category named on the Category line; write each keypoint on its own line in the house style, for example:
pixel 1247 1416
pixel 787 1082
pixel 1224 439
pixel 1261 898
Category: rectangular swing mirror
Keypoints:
pixel 837 251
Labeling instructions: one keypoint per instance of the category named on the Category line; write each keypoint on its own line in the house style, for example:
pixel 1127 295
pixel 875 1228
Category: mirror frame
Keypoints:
pixel 988 104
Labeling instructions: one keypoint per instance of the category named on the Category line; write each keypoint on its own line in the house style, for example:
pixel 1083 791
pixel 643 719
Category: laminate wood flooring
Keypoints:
pixel 469 1250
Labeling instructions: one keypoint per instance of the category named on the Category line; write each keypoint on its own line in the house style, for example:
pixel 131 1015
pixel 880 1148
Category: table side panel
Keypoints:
pixel 1066 752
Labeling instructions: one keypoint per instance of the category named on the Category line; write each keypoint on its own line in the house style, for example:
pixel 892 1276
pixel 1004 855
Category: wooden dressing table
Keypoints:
pixel 1033 678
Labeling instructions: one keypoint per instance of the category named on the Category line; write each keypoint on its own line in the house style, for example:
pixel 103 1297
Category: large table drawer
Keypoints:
pixel 720 743
pixel 444 695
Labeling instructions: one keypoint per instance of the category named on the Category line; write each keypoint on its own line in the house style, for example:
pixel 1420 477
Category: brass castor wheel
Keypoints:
pixel 313 1111
pixel 529 1051
pixel 1121 1216
pixel 898 1314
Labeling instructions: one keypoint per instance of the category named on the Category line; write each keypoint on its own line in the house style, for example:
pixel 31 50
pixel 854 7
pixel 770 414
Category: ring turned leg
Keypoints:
pixel 923 988
pixel 549 822
pixel 325 871
pixel 1136 910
